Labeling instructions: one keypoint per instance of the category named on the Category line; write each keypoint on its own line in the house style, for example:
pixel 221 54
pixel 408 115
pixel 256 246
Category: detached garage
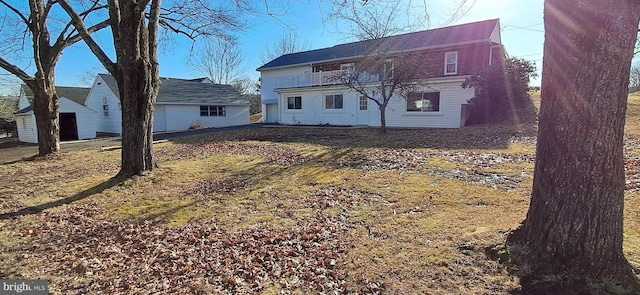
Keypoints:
pixel 76 120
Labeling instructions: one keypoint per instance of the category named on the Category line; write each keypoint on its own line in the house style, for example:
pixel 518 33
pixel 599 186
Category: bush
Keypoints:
pixel 500 91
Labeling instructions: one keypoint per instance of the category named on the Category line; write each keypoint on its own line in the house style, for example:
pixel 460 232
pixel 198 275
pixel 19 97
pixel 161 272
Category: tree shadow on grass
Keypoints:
pixel 114 181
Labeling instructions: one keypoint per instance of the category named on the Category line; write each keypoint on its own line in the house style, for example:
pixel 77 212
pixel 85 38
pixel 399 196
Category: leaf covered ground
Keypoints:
pixel 284 210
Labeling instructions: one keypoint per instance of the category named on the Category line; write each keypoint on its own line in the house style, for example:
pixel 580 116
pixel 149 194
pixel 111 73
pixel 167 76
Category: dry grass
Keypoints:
pixel 424 208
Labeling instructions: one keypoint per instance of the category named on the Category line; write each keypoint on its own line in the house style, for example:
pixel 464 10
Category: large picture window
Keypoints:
pixel 213 111
pixel 423 102
pixel 333 102
pixel 451 63
pixel 294 103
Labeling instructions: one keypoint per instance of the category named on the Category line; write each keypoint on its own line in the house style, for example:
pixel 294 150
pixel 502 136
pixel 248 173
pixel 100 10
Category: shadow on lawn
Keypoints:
pixel 79 196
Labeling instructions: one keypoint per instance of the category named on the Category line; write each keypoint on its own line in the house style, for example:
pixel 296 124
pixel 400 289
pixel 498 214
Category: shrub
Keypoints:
pixel 500 91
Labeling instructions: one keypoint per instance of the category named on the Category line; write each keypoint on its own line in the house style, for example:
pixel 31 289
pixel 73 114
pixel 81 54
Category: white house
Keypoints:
pixel 181 104
pixel 300 88
pixel 76 119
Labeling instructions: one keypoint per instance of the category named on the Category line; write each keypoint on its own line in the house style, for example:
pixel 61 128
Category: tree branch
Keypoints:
pixel 16 11
pixel 84 33
pixel 18 72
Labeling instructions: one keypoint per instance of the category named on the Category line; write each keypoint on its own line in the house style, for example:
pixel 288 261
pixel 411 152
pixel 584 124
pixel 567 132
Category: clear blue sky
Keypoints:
pixel 521 29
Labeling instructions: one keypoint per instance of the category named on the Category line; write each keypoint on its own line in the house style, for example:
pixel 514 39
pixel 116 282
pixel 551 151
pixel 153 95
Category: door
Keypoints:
pixel 68 126
pixel 363 110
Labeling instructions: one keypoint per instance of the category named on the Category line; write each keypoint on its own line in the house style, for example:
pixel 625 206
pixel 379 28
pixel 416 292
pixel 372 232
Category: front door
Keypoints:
pixel 363 110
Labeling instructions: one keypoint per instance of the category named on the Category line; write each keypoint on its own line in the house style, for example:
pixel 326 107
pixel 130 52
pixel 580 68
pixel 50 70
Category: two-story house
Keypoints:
pixel 302 88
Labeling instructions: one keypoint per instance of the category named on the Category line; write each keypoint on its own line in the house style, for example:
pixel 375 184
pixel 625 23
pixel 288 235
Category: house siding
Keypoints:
pixel 112 123
pixel 268 81
pixel 159 119
pixel 313 112
pixel 181 117
pixel 27 131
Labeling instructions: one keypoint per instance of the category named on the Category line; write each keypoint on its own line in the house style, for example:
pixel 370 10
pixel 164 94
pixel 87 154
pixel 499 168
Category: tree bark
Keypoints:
pixel 46 111
pixel 383 119
pixel 574 224
pixel 138 82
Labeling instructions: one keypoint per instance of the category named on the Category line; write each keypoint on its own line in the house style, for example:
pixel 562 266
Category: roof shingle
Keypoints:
pixel 460 34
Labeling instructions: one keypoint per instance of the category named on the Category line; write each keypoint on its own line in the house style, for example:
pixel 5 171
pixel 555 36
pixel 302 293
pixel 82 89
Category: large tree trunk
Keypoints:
pixel 138 84
pixel 574 224
pixel 46 111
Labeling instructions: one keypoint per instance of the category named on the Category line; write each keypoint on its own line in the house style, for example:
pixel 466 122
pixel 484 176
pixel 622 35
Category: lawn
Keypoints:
pixel 286 210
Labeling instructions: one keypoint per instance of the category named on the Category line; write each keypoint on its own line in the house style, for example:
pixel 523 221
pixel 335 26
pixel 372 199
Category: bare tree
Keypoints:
pixel 87 77
pixel 220 61
pixel 574 226
pixel 288 42
pixel 136 29
pixel 37 21
pixel 381 76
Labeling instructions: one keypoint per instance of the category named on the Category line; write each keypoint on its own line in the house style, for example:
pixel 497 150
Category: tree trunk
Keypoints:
pixel 138 84
pixel 383 119
pixel 574 224
pixel 46 111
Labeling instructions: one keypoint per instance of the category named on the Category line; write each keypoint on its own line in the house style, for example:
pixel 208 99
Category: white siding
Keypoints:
pixel 452 96
pixel 84 117
pixel 112 123
pixel 313 110
pixel 268 81
pixel 159 118
pixel 181 117
pixel 27 131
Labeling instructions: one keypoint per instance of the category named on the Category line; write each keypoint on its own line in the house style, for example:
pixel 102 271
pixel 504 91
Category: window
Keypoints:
pixel 423 102
pixel 211 111
pixel 294 103
pixel 387 70
pixel 347 67
pixel 333 102
pixel 363 103
pixel 451 63
pixel 105 110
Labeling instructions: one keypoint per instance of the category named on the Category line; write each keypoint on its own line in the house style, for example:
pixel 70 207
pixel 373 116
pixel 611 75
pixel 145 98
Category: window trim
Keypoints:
pixel 294 103
pixel 105 110
pixel 421 112
pixel 220 110
pixel 446 55
pixel 361 104
pixel 324 102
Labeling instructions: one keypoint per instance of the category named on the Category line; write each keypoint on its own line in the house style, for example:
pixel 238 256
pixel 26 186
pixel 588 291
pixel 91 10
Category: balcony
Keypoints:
pixel 326 78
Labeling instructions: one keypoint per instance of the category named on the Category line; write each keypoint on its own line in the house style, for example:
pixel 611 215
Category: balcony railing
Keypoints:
pixel 320 79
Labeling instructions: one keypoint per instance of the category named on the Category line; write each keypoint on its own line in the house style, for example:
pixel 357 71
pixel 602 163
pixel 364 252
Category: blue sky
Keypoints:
pixel 521 30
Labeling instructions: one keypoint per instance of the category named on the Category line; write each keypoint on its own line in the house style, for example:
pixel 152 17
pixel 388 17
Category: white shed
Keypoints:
pixel 76 120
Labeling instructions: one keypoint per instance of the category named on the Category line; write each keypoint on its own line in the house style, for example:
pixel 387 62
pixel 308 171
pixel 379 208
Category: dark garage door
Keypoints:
pixel 68 126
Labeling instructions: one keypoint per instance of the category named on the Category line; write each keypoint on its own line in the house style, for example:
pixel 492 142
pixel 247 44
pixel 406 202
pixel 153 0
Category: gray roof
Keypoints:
pixel 193 91
pixel 24 111
pixel 460 34
pixel 76 94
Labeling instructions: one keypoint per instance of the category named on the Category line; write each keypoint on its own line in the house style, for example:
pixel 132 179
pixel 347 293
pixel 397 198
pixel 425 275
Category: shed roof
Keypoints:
pixel 441 37
pixel 189 91
pixel 76 94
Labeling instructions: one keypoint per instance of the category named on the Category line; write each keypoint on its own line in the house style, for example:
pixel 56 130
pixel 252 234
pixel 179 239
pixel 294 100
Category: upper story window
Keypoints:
pixel 423 102
pixel 333 102
pixel 387 70
pixel 294 103
pixel 451 63
pixel 105 106
pixel 211 111
pixel 347 67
